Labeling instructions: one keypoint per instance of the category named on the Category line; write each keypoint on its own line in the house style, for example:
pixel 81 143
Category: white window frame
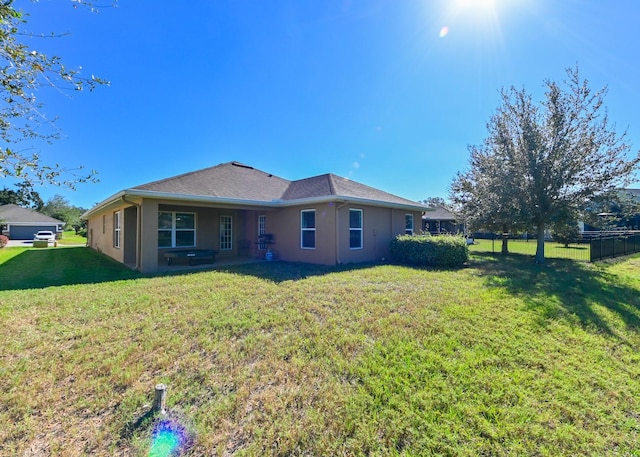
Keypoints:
pixel 408 224
pixel 357 229
pixel 226 234
pixel 116 229
pixel 307 229
pixel 262 229
pixel 174 229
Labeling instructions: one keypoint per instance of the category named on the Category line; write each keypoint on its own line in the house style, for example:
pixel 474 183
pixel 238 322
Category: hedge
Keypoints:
pixel 435 251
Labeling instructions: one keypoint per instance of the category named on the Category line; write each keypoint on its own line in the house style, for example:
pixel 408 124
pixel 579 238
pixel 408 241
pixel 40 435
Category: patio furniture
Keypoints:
pixel 194 255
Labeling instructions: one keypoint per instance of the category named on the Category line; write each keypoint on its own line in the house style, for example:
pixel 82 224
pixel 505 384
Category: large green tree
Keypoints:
pixel 24 72
pixel 24 196
pixel 483 203
pixel 59 207
pixel 544 161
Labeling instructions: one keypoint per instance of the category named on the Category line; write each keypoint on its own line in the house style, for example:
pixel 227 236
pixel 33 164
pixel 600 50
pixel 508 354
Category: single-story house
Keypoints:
pixel 239 211
pixel 440 220
pixel 22 224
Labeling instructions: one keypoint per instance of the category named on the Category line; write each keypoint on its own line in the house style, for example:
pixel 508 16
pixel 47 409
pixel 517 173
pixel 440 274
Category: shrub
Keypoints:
pixel 566 234
pixel 3 241
pixel 436 251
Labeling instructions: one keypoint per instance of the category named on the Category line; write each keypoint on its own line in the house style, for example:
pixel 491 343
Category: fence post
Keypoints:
pixel 159 399
pixel 601 254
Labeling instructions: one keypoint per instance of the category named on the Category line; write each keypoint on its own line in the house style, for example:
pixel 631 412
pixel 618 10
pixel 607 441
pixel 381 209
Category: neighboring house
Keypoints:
pixel 440 220
pixel 22 224
pixel 240 211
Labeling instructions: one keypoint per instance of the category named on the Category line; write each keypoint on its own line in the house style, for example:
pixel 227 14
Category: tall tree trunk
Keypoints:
pixel 505 239
pixel 540 244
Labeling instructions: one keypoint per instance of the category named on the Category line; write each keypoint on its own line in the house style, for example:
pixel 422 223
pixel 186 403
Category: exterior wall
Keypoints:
pixel 285 226
pixel 101 231
pixel 376 234
pixel 380 225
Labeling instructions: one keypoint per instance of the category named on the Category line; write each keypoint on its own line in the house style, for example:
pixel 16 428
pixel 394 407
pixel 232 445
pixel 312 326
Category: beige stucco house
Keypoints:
pixel 240 211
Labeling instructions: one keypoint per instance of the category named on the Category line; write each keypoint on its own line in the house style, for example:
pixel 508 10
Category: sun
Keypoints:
pixel 476 4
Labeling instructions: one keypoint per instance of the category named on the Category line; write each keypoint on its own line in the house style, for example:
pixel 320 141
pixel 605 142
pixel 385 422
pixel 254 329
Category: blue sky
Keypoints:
pixel 376 91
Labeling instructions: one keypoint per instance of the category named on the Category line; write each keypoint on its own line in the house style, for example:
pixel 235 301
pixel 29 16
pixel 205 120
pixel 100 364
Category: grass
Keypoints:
pixel 35 268
pixel 504 357
pixel 553 250
pixel 69 237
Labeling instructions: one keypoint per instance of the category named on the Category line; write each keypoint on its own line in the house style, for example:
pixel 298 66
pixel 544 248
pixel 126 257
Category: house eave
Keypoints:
pixel 242 202
pixel 353 200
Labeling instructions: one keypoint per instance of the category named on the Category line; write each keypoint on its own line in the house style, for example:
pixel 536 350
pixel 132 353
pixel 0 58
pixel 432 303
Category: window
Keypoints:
pixel 104 224
pixel 116 229
pixel 408 224
pixel 176 230
pixel 308 229
pixel 262 226
pixel 355 229
pixel 226 234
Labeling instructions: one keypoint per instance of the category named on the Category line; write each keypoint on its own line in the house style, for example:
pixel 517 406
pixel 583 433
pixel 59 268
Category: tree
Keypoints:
pixel 548 159
pixel 565 230
pixel 487 204
pixel 59 207
pixel 23 71
pixel 436 201
pixel 25 196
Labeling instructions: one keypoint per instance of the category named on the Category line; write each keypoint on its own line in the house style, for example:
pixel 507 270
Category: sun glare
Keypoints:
pixel 476 4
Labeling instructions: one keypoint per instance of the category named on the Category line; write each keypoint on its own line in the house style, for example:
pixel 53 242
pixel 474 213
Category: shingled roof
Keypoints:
pixel 237 181
pixel 440 213
pixel 228 180
pixel 332 185
pixel 13 214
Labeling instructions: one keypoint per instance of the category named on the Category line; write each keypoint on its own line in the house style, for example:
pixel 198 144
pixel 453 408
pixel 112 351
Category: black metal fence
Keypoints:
pixel 613 245
pixel 592 246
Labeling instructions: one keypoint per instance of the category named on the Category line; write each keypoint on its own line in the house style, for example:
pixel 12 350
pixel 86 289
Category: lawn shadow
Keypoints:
pixel 281 271
pixel 40 268
pixel 563 288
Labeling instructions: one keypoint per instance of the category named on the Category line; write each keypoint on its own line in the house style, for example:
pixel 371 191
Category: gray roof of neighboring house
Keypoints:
pixel 13 213
pixel 237 181
pixel 440 213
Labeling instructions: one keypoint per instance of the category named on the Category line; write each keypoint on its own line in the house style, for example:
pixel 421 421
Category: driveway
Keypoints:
pixel 20 243
pixel 29 243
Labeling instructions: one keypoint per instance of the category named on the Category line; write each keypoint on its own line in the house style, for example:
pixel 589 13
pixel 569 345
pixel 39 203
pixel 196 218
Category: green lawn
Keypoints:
pixel 528 247
pixel 503 357
pixel 70 237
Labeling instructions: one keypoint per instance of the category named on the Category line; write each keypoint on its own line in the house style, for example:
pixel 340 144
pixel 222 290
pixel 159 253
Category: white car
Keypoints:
pixel 45 235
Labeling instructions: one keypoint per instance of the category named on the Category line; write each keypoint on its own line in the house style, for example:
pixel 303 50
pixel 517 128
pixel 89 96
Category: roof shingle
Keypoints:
pixel 234 180
pixel 14 213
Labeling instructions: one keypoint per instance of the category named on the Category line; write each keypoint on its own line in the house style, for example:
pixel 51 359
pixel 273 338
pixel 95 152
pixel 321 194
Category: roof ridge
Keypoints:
pixel 332 185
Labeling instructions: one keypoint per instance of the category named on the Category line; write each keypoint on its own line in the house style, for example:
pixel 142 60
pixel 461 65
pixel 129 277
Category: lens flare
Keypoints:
pixel 168 438
pixel 444 31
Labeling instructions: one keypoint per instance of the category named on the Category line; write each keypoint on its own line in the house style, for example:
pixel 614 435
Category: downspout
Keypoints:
pixel 138 229
pixel 338 208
